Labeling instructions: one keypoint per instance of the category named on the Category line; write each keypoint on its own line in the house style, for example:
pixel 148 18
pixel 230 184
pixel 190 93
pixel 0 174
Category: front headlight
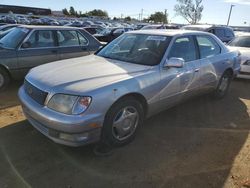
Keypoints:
pixel 69 104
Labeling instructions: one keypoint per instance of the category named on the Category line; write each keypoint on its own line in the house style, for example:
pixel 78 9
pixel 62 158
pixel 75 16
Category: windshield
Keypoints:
pixel 13 38
pixel 242 41
pixel 141 49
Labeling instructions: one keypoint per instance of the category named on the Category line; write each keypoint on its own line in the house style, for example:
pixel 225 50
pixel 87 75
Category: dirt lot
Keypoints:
pixel 201 143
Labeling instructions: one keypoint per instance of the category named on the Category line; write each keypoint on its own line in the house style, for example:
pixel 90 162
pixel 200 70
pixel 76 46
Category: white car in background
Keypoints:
pixel 242 43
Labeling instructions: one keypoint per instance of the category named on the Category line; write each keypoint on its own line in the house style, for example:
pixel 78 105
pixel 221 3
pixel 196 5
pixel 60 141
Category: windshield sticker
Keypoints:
pixel 157 38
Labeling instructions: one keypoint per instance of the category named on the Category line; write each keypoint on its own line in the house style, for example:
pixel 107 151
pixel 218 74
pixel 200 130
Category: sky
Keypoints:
pixel 215 11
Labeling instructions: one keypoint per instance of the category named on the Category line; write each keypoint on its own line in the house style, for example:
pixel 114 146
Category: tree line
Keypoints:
pixel 190 10
pixel 95 12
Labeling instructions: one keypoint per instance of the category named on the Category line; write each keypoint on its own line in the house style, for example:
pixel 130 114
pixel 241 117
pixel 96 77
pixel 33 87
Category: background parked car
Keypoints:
pixel 28 46
pixel 163 26
pixel 109 34
pixel 242 43
pixel 93 30
pixel 225 34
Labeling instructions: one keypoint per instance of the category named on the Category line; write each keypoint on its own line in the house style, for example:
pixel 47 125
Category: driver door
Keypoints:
pixel 179 83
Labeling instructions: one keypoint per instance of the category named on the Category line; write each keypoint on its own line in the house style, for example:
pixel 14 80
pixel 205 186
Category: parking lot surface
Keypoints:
pixel 200 143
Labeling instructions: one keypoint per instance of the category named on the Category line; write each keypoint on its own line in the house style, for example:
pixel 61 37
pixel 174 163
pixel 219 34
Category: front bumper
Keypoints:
pixel 245 75
pixel 71 130
pixel 244 72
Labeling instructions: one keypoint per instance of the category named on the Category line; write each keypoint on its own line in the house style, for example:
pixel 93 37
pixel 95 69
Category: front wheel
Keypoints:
pixel 223 86
pixel 122 121
pixel 4 79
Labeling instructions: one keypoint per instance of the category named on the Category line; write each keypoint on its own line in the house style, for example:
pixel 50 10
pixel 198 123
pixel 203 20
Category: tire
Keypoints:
pixel 122 121
pixel 4 79
pixel 223 86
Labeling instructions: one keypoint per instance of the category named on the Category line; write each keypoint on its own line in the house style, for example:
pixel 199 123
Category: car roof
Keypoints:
pixel 204 27
pixel 47 27
pixel 166 32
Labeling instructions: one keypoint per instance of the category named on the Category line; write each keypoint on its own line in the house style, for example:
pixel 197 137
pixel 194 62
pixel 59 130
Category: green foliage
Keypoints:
pixel 127 19
pixel 72 11
pixel 158 17
pixel 98 12
pixel 65 12
pixel 95 12
pixel 190 10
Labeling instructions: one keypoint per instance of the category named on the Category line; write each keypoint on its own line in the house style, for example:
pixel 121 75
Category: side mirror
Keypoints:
pixel 26 45
pixel 174 62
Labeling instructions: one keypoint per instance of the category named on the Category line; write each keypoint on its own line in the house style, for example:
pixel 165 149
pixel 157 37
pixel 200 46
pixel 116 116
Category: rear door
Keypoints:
pixel 72 44
pixel 37 49
pixel 210 58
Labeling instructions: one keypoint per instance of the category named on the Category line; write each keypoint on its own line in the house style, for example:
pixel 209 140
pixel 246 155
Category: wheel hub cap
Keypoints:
pixel 224 84
pixel 125 123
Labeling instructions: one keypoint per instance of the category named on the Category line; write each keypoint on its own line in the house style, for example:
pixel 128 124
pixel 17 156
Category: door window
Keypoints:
pixel 208 47
pixel 67 38
pixel 211 31
pixel 183 47
pixel 220 33
pixel 41 39
pixel 82 39
pixel 229 33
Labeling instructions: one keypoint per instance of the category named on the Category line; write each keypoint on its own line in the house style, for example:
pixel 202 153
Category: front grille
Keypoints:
pixel 36 94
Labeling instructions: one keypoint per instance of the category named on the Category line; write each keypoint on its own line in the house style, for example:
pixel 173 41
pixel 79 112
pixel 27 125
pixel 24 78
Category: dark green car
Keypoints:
pixel 28 46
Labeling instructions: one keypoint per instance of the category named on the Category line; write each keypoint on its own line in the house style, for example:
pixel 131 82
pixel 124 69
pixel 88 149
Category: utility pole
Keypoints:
pixel 141 15
pixel 166 19
pixel 229 16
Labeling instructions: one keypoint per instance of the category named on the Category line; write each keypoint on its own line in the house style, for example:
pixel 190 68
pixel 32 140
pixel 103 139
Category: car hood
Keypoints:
pixel 82 74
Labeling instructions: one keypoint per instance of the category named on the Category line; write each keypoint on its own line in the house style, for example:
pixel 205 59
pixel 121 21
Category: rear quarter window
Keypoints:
pixel 208 47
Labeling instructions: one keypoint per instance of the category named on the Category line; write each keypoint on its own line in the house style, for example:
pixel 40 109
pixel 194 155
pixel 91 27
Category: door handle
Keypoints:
pixel 196 70
pixel 84 48
pixel 54 51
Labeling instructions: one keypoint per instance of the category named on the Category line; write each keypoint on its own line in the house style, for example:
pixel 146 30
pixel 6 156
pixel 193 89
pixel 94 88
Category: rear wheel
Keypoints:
pixel 4 79
pixel 122 122
pixel 223 86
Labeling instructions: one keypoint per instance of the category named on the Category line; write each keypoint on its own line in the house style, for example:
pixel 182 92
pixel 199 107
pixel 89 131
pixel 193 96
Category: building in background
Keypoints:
pixel 4 9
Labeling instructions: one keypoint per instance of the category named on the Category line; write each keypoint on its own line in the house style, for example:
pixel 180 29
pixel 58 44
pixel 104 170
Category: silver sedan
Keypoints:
pixel 108 95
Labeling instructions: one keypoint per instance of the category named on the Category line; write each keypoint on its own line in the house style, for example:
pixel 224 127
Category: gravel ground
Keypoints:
pixel 201 143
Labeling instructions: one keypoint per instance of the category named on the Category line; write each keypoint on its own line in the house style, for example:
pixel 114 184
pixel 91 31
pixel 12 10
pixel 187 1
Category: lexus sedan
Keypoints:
pixel 242 44
pixel 106 96
pixel 25 47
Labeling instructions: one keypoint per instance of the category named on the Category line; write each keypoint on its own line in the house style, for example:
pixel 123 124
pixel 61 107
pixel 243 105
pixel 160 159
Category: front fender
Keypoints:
pixel 147 85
